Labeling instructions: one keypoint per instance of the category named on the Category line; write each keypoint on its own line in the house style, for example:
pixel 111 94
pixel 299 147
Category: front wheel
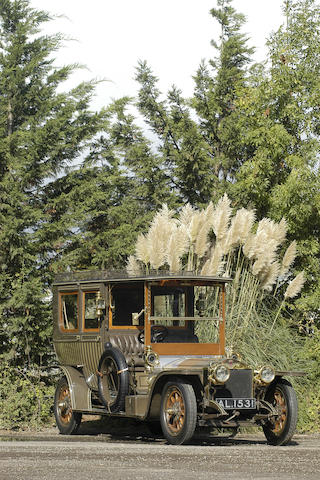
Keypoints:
pixel 178 412
pixel 280 430
pixel 67 421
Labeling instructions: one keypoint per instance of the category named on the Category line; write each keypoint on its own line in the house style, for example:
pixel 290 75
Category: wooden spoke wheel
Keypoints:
pixel 280 429
pixel 281 406
pixel 178 413
pixel 175 410
pixel 67 420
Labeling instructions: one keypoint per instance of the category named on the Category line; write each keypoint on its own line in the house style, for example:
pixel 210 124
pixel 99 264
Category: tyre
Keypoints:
pixel 280 430
pixel 113 379
pixel 178 412
pixel 67 421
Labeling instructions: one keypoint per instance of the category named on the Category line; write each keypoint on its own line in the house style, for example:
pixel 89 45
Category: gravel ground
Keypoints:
pixel 127 454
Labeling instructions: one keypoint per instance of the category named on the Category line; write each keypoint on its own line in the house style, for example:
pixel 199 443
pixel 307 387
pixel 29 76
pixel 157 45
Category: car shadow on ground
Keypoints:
pixel 126 430
pixel 130 430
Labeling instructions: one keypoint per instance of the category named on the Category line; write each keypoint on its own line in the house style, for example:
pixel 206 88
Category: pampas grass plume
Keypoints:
pixel 209 212
pixel 186 215
pixel 143 249
pixel 133 267
pixel 178 245
pixel 202 245
pixel 241 226
pixel 221 217
pixel 246 223
pixel 271 276
pixel 248 247
pixel 195 225
pixel 281 231
pixel 163 216
pixel 288 258
pixel 263 243
pixel 295 286
pixel 214 265
pixel 157 247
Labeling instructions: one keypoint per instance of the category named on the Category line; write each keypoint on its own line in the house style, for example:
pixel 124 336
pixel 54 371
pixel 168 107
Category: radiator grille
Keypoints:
pixel 239 385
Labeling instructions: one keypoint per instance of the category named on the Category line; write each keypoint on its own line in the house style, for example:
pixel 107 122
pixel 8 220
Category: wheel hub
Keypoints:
pixel 64 406
pixel 281 407
pixel 175 411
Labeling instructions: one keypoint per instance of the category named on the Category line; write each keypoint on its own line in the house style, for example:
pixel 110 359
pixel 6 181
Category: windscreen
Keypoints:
pixel 185 314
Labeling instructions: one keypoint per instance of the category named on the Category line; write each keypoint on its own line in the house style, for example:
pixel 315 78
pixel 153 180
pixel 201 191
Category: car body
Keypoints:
pixel 152 347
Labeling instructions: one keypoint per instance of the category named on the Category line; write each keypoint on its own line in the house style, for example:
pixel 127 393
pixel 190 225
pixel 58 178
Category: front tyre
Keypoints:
pixel 178 412
pixel 67 421
pixel 280 430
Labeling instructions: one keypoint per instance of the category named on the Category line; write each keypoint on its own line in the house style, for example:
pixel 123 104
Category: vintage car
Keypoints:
pixel 153 348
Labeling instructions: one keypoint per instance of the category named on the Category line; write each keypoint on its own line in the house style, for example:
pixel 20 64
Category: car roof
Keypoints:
pixel 103 276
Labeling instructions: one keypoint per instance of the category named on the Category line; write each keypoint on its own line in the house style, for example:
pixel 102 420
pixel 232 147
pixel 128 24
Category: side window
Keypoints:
pixel 127 300
pixel 69 311
pixel 91 320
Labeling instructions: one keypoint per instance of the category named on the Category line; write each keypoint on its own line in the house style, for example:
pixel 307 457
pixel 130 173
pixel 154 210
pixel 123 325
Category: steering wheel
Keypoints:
pixel 158 334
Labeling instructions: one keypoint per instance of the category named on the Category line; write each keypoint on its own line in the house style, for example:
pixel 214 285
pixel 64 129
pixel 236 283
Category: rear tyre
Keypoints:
pixel 280 430
pixel 113 379
pixel 67 421
pixel 178 412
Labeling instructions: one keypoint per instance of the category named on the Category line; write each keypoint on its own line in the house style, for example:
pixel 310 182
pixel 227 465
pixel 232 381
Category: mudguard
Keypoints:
pixel 79 390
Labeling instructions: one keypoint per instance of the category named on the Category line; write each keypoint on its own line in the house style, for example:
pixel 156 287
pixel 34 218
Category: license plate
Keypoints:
pixel 237 403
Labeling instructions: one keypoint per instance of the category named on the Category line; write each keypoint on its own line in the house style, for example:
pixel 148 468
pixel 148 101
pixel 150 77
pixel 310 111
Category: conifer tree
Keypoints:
pixel 41 132
pixel 202 150
pixel 112 195
pixel 181 147
pixel 281 176
pixel 218 88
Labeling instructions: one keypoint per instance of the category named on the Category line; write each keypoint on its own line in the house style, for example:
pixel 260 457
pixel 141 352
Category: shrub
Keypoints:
pixel 25 399
pixel 309 389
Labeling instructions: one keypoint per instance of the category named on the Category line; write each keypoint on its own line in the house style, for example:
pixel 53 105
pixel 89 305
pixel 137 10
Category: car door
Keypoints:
pixel 92 332
pixel 66 332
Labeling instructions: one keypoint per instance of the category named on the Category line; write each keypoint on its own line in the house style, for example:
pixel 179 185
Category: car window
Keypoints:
pixel 186 314
pixel 69 311
pixel 91 320
pixel 125 302
pixel 169 303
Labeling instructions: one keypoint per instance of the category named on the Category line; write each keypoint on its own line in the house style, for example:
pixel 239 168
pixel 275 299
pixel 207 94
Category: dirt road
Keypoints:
pixel 127 457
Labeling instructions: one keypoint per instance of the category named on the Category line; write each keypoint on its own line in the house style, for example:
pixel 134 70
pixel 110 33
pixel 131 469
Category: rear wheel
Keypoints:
pixel 178 412
pixel 67 420
pixel 280 429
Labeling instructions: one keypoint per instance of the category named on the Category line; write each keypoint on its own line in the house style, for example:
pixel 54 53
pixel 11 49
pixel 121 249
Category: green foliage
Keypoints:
pixel 183 152
pixel 25 400
pixel 280 177
pixel 199 139
pixel 309 388
pixel 41 131
pixel 97 208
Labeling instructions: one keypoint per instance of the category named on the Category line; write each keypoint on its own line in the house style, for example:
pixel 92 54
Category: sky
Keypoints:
pixel 110 36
